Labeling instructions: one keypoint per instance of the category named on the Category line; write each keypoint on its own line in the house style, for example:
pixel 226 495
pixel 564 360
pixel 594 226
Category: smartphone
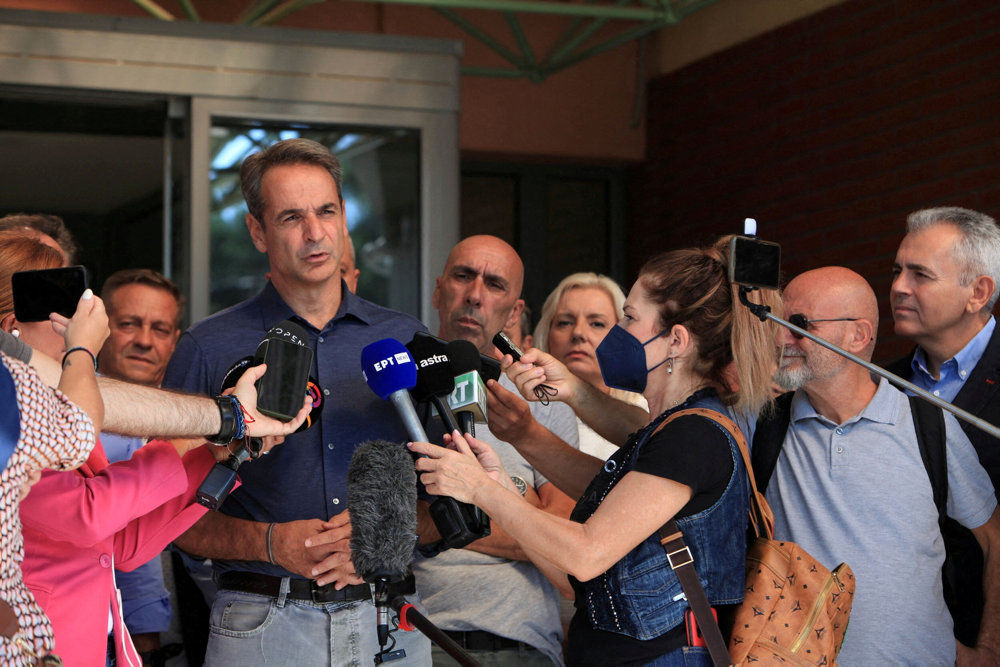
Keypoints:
pixel 38 293
pixel 506 346
pixel 694 634
pixel 754 263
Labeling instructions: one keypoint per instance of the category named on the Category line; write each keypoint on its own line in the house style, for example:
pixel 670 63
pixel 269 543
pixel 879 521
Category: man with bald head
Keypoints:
pixel 489 597
pixel 850 486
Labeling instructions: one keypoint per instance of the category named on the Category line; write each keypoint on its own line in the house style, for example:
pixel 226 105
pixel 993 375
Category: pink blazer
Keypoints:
pixel 80 525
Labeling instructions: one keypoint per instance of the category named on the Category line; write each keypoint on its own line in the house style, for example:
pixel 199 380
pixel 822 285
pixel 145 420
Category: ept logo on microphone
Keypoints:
pixel 398 358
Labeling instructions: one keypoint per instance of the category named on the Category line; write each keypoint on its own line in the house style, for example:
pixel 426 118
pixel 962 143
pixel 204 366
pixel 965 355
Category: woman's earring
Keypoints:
pixel 16 333
pixel 670 365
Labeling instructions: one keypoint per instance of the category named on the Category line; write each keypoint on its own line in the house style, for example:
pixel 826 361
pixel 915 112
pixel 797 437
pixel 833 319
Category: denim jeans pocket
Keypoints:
pixel 241 615
pixel 697 656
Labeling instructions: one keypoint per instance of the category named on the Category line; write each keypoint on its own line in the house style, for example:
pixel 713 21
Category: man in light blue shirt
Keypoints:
pixel 850 486
pixel 144 310
pixel 945 284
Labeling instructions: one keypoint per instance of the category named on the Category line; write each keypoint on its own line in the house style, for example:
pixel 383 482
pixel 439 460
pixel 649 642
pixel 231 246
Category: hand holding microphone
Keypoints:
pixel 543 392
pixel 390 372
pixel 279 392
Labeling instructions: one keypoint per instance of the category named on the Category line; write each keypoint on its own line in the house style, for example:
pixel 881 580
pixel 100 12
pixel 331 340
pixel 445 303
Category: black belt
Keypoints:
pixel 480 640
pixel 298 589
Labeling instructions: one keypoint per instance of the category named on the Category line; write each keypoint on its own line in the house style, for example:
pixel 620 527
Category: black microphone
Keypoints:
pixel 390 371
pixel 468 400
pixel 435 375
pixel 382 500
pixel 279 394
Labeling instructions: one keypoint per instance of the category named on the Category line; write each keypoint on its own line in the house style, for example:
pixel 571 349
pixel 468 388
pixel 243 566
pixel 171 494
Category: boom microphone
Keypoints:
pixel 382 500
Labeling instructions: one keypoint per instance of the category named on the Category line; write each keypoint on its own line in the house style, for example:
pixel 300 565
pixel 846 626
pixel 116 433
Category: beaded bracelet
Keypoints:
pixel 78 348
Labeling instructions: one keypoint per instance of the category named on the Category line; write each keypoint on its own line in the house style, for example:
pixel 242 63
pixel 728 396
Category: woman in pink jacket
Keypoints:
pixel 81 524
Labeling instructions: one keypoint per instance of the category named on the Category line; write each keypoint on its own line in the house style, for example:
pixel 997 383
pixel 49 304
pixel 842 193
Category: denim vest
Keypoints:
pixel 640 596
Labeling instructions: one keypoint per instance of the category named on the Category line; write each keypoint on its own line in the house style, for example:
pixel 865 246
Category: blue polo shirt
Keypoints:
pixel 306 476
pixel 956 370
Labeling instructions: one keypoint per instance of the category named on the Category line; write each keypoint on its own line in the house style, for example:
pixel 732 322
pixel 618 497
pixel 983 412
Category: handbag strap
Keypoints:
pixel 679 555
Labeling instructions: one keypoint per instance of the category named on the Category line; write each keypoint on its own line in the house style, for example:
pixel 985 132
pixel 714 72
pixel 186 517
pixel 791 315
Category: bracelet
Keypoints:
pixel 229 408
pixel 79 348
pixel 270 550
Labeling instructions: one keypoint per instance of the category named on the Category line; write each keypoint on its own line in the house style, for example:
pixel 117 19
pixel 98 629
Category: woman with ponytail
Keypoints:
pixel 684 342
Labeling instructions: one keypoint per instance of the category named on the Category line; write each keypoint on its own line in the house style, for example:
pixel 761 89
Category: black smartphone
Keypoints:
pixel 506 346
pixel 754 263
pixel 43 291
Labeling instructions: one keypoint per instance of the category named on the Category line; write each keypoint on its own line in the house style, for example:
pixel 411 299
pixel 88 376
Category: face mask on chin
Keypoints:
pixel 622 359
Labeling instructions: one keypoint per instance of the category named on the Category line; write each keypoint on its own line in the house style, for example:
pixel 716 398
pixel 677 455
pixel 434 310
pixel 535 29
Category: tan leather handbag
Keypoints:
pixel 794 611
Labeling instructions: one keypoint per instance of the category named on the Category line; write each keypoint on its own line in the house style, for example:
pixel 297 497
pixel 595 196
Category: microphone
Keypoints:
pixel 382 500
pixel 279 394
pixel 435 375
pixel 468 400
pixel 289 360
pixel 390 371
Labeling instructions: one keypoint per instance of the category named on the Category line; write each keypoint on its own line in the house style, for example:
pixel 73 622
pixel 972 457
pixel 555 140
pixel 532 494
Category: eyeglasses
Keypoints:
pixel 799 320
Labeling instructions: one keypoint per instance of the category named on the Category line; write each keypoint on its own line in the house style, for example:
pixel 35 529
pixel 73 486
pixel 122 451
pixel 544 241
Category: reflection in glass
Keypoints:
pixel 381 200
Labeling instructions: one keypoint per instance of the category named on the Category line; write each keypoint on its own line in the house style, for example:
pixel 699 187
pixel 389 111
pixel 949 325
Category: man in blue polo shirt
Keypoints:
pixel 850 486
pixel 280 543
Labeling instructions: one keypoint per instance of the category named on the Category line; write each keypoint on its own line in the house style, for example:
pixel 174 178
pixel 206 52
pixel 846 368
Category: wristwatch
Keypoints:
pixel 521 485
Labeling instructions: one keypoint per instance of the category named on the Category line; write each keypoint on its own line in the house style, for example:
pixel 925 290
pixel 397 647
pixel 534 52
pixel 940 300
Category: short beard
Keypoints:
pixel 791 379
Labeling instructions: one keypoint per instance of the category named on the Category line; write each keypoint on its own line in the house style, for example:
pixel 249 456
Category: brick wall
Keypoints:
pixel 828 131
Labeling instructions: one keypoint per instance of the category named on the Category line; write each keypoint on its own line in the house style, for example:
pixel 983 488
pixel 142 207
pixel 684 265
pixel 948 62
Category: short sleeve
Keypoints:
pixel 971 498
pixel 690 450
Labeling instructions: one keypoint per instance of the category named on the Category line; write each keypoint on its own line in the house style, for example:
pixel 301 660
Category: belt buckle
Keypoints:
pixel 680 558
pixel 317 593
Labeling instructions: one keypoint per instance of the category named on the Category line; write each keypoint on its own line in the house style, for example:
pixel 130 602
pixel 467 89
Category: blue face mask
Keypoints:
pixel 622 359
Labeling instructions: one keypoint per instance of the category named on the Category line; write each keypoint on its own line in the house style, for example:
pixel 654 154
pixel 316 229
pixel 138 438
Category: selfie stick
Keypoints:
pixel 764 313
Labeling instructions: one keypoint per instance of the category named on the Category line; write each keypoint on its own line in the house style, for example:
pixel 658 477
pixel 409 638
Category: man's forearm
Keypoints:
pixel 565 466
pixel 133 409
pixel 612 419
pixel 218 535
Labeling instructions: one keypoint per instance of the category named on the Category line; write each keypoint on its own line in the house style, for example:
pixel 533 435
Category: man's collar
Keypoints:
pixel 966 358
pixel 881 408
pixel 274 309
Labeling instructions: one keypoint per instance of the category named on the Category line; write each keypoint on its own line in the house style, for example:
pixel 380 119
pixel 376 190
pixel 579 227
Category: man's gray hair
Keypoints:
pixel 977 252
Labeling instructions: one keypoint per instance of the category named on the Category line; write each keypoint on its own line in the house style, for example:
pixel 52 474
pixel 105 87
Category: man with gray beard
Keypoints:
pixel 849 484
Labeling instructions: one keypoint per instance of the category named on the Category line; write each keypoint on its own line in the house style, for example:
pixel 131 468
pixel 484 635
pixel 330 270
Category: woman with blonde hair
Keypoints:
pixel 574 320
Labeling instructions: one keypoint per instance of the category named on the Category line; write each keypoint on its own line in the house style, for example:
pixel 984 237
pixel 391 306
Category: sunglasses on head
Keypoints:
pixel 799 320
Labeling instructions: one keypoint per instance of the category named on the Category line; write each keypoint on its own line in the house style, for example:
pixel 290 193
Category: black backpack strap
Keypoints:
pixel 768 438
pixel 928 420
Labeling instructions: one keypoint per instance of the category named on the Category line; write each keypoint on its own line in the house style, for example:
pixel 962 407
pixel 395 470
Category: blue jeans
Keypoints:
pixel 248 629
pixel 685 656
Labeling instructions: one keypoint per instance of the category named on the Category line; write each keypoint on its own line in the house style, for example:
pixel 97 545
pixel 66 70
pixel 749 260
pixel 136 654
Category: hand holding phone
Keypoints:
pixel 88 327
pixel 43 291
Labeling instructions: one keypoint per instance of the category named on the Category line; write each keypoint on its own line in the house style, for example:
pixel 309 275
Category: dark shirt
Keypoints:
pixel 306 476
pixel 692 451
